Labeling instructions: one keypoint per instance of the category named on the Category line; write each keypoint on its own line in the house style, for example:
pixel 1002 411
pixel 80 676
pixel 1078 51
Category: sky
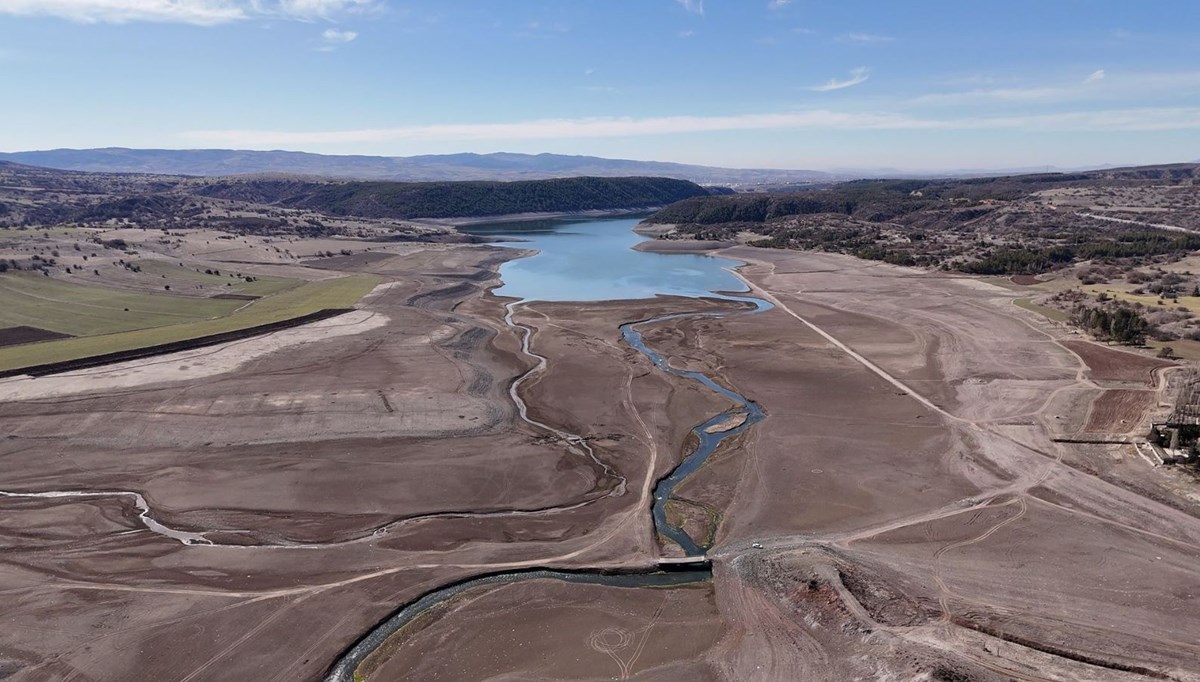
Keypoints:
pixel 806 84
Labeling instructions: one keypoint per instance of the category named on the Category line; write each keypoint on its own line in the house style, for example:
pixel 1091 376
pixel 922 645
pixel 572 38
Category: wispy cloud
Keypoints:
pixel 319 9
pixel 686 34
pixel 866 38
pixel 331 38
pixel 777 4
pixel 857 76
pixel 538 29
pixel 693 6
pixel 195 12
pixel 1142 119
pixel 1034 94
pixel 1098 85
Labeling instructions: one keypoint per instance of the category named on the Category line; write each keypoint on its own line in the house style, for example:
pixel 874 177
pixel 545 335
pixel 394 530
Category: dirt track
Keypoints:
pixel 903 487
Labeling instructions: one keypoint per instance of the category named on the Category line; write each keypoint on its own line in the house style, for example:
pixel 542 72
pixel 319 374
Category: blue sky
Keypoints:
pixel 932 84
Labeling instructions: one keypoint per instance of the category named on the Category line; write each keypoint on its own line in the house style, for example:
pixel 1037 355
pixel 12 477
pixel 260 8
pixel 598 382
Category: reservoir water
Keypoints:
pixel 593 260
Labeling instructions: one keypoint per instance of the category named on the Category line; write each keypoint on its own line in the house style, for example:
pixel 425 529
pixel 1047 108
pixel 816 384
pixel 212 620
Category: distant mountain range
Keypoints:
pixel 500 166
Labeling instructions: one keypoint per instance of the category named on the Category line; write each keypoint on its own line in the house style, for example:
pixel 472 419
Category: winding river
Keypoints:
pixel 593 261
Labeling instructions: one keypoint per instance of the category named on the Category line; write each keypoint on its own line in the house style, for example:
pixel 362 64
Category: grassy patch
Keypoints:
pixel 1184 348
pixel 80 233
pixel 1003 282
pixel 343 292
pixel 1049 313
pixel 1123 292
pixel 262 285
pixel 81 310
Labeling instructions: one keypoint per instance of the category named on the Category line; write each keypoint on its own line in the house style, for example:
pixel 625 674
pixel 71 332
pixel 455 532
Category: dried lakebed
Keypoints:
pixel 590 248
pixel 599 253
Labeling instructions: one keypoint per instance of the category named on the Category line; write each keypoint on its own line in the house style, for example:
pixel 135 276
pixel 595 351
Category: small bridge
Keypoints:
pixel 684 563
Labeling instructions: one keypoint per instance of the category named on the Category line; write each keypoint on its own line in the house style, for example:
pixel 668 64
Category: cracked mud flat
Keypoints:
pixel 914 517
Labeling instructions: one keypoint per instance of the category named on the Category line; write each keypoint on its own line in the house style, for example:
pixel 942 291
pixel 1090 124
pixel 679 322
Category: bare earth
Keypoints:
pixel 902 513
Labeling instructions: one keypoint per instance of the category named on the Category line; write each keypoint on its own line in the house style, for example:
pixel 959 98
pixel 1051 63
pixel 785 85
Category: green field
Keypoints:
pixel 310 297
pixel 1124 292
pixel 262 286
pixel 81 310
pixel 1049 313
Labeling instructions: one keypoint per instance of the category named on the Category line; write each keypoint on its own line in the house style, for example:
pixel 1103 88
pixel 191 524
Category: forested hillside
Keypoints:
pixel 1021 224
pixel 399 200
pixel 32 197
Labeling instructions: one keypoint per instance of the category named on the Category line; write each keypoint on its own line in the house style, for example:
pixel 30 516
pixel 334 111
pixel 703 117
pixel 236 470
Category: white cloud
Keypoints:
pixel 857 76
pixel 607 89
pixel 332 35
pixel 200 12
pixel 1128 87
pixel 995 95
pixel 331 38
pixel 686 34
pixel 776 4
pixel 693 6
pixel 195 12
pixel 867 38
pixel 1143 119
pixel 320 9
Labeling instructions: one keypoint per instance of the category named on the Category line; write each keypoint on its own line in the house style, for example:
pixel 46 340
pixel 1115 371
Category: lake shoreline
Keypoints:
pixel 523 217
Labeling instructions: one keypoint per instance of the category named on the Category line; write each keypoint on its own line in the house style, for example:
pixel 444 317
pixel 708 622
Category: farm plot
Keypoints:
pixel 1107 364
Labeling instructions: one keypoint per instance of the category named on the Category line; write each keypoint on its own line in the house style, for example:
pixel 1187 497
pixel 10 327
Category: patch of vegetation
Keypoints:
pixel 342 292
pixel 88 310
pixel 402 200
pixel 1045 311
pixel 240 283
pixel 1120 324
pixel 984 226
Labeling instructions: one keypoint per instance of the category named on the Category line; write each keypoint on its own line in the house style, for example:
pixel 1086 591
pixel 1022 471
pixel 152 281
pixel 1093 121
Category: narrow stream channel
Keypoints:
pixel 744 409
pixel 708 438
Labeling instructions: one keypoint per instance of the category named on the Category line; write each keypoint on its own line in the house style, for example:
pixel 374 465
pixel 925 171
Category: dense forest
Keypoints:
pixel 1121 325
pixel 408 200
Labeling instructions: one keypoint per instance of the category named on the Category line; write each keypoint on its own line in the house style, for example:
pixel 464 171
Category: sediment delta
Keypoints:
pixel 900 512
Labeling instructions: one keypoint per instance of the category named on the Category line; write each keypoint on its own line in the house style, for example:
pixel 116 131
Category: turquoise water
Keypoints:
pixel 592 260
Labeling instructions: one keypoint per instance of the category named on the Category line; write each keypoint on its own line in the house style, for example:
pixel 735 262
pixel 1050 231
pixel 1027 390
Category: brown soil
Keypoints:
pixel 551 630
pixel 1119 410
pixel 901 513
pixel 1108 364
pixel 15 336
pixel 237 297
pixel 1025 280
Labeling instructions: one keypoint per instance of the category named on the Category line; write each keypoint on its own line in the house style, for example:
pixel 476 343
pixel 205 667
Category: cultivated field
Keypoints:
pixel 1119 411
pixel 1109 364
pixel 150 290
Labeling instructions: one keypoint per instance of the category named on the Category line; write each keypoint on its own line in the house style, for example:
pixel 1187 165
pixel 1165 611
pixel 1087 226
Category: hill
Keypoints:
pixel 499 166
pixel 1020 224
pixel 42 197
pixel 458 199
